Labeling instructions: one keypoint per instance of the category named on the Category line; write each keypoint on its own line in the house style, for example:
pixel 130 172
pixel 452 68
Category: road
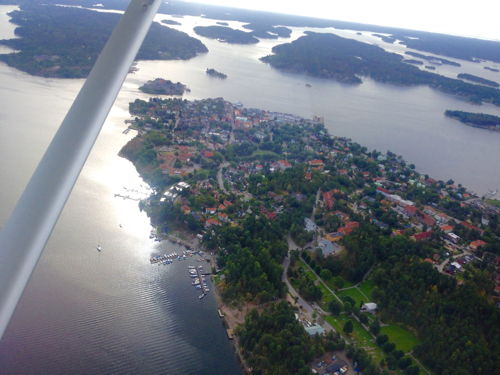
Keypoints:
pixel 220 180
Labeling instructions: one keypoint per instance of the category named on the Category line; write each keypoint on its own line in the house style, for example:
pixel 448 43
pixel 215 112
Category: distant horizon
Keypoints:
pixel 480 20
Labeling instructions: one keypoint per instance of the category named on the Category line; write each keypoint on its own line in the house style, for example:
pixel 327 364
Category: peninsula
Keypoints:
pixel 307 227
pixel 478 120
pixel 226 34
pixel 64 42
pixel 476 79
pixel 160 86
pixel 347 61
pixel 214 73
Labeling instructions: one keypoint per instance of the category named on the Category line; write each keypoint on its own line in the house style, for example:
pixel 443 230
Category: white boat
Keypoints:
pixel 99 247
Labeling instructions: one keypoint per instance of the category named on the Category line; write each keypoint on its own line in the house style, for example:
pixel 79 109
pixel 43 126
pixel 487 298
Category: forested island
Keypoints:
pixel 266 190
pixel 479 120
pixel 385 38
pixel 64 42
pixel 171 22
pixel 226 34
pixel 412 61
pixel 160 86
pixel 347 60
pixel 433 59
pixel 473 78
pixel 214 73
pixel 491 69
pixel 453 46
pixel 268 31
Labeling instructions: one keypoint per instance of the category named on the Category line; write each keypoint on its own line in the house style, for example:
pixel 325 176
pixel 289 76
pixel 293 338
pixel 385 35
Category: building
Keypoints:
pixel 310 226
pixel 314 329
pixel 474 245
pixel 370 307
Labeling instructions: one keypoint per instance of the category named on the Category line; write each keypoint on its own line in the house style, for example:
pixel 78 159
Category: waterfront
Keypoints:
pixel 112 312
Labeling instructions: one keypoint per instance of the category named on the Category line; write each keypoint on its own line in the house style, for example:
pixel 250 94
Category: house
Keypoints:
pixel 446 228
pixel 422 236
pixel 328 199
pixel 370 307
pixel 308 176
pixel 474 245
pixel 452 237
pixel 314 329
pixel 310 226
pixel 316 163
pixel 210 210
pixel 333 237
pixel 211 221
pixel 326 247
pixel 410 211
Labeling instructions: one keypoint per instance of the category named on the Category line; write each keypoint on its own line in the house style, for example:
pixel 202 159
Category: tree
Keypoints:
pixel 404 362
pixel 412 370
pixel 381 339
pixel 335 307
pixel 177 164
pixel 326 274
pixel 348 327
pixel 375 327
pixel 388 347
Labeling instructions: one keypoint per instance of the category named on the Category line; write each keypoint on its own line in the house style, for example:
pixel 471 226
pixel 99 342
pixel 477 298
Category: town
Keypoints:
pixel 294 213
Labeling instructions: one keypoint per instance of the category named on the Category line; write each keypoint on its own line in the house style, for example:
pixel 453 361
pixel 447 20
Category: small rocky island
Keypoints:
pixel 214 73
pixel 477 120
pixel 160 86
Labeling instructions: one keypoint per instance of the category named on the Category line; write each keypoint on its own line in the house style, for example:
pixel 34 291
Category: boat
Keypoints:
pixel 99 248
pixel 201 296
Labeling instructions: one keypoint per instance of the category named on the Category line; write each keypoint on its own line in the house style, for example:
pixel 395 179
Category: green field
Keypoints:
pixel 326 298
pixel 367 287
pixel 355 294
pixel 310 275
pixel 403 338
pixel 359 335
pixel 331 283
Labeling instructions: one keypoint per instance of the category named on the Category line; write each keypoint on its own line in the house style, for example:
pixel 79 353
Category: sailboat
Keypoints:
pixel 99 248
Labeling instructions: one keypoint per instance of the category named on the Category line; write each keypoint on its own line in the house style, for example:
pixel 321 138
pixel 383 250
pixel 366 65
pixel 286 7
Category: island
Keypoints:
pixel 492 69
pixel 477 120
pixel 473 78
pixel 325 253
pixel 412 61
pixel 226 34
pixel 171 22
pixel 214 73
pixel 432 59
pixel 267 30
pixel 430 67
pixel 346 60
pixel 222 23
pixel 160 86
pixel 64 42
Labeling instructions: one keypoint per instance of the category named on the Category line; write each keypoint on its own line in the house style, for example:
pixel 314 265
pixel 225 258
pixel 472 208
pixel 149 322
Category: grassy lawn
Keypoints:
pixel 355 295
pixel 403 338
pixel 367 287
pixel 326 298
pixel 331 282
pixel 310 275
pixel 359 335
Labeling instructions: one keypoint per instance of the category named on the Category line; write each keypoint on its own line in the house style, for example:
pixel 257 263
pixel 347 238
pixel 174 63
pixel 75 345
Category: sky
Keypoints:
pixel 478 18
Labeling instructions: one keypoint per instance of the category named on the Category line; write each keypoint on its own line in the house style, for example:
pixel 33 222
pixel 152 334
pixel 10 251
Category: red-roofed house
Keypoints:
pixel 317 163
pixel 410 210
pixel 470 226
pixel 212 221
pixel 185 209
pixel 308 176
pixel 383 191
pixel 328 199
pixel 474 245
pixel 446 228
pixel 210 210
pixel 207 154
pixel 422 236
pixel 427 220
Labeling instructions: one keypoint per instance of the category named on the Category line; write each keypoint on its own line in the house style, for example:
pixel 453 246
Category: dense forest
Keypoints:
pixel 226 34
pixel 473 78
pixel 46 48
pixel 478 119
pixel 160 86
pixel 346 60
pixel 275 343
pixel 458 326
